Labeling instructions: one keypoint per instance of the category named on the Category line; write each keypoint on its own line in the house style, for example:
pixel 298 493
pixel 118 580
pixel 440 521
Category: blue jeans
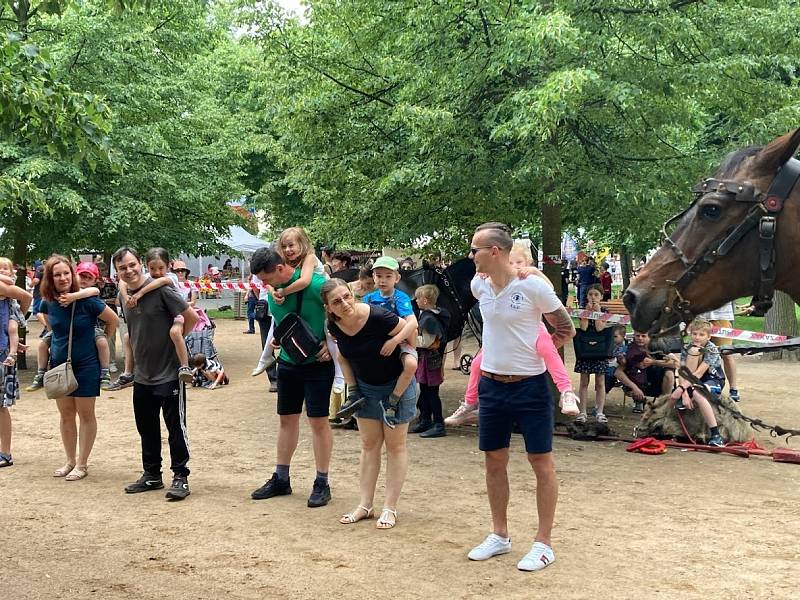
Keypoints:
pixel 251 314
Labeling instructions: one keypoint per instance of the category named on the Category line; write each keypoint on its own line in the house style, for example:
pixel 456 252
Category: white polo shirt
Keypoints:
pixel 511 322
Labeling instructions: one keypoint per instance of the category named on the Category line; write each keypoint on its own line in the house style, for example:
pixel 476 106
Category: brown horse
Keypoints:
pixel 740 237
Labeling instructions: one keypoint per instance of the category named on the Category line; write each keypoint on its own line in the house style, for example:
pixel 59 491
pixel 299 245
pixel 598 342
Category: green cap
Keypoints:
pixel 386 262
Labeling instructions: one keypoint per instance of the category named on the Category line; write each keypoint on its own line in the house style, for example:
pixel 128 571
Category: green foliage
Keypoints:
pixel 165 72
pixel 396 120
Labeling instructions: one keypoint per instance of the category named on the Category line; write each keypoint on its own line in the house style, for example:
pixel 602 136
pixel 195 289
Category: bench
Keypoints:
pixel 615 307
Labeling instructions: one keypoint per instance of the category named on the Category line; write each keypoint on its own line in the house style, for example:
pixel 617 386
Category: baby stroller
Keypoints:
pixel 475 323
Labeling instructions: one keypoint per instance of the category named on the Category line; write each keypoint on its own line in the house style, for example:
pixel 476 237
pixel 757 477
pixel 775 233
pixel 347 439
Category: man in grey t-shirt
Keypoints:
pixel 156 386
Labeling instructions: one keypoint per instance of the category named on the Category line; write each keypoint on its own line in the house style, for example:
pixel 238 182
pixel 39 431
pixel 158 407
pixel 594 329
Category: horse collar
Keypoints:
pixel 763 215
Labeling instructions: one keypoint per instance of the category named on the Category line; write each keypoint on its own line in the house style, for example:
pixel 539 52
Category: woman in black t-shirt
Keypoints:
pixel 371 367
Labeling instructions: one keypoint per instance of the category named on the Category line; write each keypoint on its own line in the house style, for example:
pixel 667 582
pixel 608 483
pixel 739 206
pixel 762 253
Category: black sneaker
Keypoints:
pixel 421 427
pixel 123 381
pixel 273 487
pixel 320 495
pixel 716 441
pixel 179 488
pixel 436 430
pixel 145 483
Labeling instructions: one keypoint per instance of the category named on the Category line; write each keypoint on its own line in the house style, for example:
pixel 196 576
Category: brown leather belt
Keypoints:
pixel 504 378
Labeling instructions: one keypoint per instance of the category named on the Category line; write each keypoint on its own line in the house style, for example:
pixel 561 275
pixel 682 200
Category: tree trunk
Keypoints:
pixel 782 320
pixel 551 243
pixel 551 246
pixel 625 265
pixel 20 256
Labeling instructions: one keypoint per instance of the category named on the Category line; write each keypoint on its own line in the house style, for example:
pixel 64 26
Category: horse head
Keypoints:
pixel 736 239
pixel 454 290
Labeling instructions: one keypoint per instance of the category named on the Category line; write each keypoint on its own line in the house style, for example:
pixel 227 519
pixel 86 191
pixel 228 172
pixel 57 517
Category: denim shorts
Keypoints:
pixel 375 394
pixel 528 402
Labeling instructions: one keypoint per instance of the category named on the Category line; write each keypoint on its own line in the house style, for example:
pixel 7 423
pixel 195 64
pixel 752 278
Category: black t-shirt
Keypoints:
pixel 363 350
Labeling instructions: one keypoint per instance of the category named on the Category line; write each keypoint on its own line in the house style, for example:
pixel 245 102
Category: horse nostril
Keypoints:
pixel 629 299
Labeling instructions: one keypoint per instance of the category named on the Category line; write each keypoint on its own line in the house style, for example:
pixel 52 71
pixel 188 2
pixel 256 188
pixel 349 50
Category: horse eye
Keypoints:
pixel 711 211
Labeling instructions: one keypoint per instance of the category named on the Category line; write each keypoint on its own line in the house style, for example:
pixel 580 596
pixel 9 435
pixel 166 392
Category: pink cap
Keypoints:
pixel 88 267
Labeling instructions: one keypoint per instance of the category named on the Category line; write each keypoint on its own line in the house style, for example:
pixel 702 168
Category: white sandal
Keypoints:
pixel 350 518
pixel 384 522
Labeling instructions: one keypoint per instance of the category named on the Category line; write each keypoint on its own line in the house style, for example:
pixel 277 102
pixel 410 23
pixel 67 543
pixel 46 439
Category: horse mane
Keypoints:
pixel 734 160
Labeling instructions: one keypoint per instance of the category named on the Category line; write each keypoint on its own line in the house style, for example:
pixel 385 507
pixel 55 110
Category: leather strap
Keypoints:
pixel 69 343
pixel 504 378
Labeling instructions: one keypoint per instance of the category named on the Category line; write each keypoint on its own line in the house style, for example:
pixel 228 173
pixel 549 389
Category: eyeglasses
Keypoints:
pixel 344 298
pixel 474 251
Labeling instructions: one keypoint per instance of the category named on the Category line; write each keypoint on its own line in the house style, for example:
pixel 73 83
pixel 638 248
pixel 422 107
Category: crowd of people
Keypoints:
pixel 338 342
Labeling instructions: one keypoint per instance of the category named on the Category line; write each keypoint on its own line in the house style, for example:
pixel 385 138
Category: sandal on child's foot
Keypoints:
pixel 387 520
pixel 63 471
pixel 360 513
pixel 601 418
pixel 581 418
pixel 77 474
pixel 5 460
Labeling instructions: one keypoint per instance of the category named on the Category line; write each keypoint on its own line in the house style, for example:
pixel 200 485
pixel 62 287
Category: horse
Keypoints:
pixel 455 295
pixel 734 239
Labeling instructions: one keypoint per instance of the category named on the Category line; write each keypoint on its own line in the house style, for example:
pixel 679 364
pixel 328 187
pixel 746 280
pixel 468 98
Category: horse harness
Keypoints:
pixel 763 214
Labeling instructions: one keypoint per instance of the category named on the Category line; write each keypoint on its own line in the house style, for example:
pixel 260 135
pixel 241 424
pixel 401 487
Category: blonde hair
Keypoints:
pixel 520 248
pixel 428 291
pixel 299 235
pixel 8 262
pixel 699 324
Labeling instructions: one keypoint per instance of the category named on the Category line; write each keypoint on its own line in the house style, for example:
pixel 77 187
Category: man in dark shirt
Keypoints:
pixel 343 269
pixel 155 384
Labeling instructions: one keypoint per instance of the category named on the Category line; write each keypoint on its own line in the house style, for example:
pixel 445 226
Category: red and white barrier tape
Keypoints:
pixel 722 332
pixel 223 285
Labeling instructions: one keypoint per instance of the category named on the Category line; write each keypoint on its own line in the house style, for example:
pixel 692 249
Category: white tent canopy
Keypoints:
pixel 238 239
pixel 243 241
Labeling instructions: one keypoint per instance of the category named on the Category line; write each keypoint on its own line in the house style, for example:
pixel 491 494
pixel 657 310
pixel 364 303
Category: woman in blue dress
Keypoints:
pixel 59 281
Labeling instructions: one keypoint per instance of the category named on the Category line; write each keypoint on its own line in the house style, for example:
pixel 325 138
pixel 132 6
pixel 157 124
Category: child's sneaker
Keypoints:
pixel 569 403
pixel 390 406
pixel 717 441
pixel 601 418
pixel 105 381
pixel 581 418
pixel 465 414
pixel 37 383
pixel 263 366
pixel 733 394
pixel 185 374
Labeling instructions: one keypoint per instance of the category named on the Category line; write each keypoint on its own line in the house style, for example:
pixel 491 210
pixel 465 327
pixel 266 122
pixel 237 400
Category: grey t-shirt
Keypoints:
pixel 148 326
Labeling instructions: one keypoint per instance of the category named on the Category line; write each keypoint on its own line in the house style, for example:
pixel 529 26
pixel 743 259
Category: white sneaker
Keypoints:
pixel 338 385
pixel 260 368
pixel 540 556
pixel 465 414
pixel 493 545
pixel 569 403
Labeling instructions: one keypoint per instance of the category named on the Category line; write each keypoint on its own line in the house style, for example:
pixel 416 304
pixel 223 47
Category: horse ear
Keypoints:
pixel 778 152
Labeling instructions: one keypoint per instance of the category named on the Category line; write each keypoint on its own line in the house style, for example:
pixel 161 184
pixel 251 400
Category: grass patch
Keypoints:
pixel 220 314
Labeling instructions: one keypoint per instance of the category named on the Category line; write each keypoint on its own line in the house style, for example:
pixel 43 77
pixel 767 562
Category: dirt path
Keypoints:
pixel 682 525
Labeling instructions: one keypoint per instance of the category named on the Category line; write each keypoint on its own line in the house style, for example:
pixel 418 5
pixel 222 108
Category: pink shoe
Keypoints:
pixel 569 403
pixel 465 414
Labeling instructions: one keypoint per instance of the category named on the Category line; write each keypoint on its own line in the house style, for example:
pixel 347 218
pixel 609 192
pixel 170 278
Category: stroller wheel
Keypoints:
pixel 466 363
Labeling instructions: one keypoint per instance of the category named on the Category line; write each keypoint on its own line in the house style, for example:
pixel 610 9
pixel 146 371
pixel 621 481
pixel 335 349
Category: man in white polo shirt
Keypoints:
pixel 514 387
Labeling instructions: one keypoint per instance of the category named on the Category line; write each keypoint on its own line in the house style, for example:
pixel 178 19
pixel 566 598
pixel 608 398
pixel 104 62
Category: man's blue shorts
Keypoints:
pixel 528 402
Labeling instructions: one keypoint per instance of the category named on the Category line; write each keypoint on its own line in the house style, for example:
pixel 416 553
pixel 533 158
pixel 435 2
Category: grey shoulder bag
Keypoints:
pixel 60 381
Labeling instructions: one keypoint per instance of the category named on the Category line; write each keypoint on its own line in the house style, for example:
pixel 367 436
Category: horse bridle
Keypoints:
pixel 763 214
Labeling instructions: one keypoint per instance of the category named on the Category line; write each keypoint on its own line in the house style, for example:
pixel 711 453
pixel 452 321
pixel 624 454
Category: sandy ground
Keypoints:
pixel 681 525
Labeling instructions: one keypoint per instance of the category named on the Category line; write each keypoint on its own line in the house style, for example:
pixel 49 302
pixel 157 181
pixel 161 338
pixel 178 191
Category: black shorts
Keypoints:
pixel 311 383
